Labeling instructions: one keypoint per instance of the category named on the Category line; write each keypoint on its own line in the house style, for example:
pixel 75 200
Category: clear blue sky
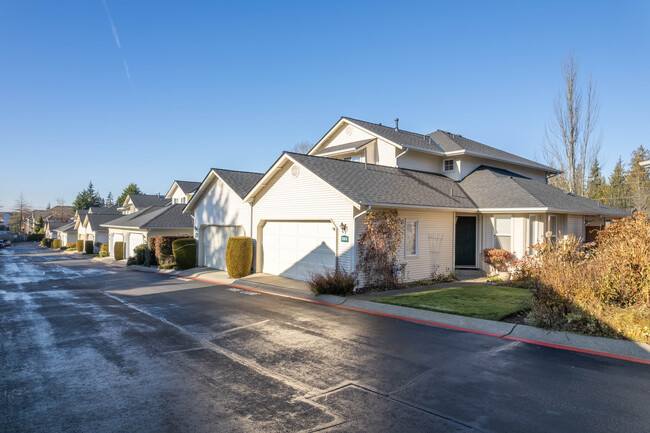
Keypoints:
pixel 233 84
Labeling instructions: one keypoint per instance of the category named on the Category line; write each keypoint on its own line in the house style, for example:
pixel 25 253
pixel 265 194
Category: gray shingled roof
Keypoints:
pixel 54 224
pixel 492 188
pixel 111 210
pixel 170 216
pixel 240 181
pixel 398 136
pixel 141 201
pixel 187 186
pixel 374 184
pixel 96 221
pixel 353 146
pixel 66 228
pixel 453 142
pixel 444 142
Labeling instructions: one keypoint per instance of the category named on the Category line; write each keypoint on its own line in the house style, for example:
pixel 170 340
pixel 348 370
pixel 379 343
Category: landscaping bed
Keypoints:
pixel 481 301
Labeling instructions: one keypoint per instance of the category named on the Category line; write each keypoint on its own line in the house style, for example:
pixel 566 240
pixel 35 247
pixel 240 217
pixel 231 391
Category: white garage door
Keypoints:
pixel 298 249
pixel 135 239
pixel 118 237
pixel 213 244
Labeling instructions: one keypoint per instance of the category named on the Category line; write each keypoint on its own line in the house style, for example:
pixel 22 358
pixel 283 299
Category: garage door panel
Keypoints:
pixel 213 245
pixel 298 249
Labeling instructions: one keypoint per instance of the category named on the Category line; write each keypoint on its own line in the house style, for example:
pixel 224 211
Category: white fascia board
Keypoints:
pixel 169 193
pixel 350 122
pixel 344 151
pixel 417 206
pixel 191 204
pixel 514 210
pixel 265 179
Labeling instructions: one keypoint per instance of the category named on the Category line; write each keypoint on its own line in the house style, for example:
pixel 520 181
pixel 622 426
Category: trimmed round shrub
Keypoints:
pixel 118 250
pixel 140 251
pixel 80 246
pixel 103 251
pixel 56 244
pixel 89 247
pixel 43 242
pixel 239 256
pixel 48 242
pixel 184 251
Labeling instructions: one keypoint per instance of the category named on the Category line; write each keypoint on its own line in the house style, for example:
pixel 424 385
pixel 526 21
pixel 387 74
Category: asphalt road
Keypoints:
pixel 86 347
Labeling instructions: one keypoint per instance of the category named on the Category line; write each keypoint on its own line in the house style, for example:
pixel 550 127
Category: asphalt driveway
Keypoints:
pixel 87 347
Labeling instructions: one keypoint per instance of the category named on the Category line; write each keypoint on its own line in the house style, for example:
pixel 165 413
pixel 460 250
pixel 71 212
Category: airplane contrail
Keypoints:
pixel 117 40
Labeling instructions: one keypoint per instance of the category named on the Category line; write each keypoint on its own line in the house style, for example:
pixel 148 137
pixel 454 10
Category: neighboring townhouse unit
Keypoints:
pixel 182 191
pixel 135 202
pixel 135 228
pixel 56 213
pixel 220 212
pixel 456 196
pixel 67 233
pixel 4 219
pixel 51 227
pixel 88 223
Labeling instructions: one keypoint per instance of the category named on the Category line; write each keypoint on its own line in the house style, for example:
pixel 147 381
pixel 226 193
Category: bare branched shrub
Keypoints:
pixel 332 282
pixel 378 250
pixel 624 261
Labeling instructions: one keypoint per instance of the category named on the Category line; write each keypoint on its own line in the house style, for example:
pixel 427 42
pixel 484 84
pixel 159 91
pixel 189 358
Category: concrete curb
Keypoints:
pixel 607 347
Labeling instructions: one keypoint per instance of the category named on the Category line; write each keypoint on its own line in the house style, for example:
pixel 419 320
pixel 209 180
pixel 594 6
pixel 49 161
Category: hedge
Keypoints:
pixel 239 256
pixel 89 247
pixel 118 250
pixel 35 237
pixel 184 253
pixel 56 244
pixel 71 245
pixel 140 252
pixel 164 253
pixel 80 246
pixel 46 242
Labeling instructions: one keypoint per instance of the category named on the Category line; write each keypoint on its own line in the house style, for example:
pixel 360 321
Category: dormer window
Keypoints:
pixel 448 165
pixel 353 158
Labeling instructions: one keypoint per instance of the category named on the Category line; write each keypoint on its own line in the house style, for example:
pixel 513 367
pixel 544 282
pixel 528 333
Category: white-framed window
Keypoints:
pixel 502 232
pixel 411 238
pixel 179 200
pixel 356 158
pixel 448 165
pixel 533 233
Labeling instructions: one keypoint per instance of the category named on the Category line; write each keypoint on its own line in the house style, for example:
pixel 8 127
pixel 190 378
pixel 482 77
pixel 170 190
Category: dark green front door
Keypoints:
pixel 466 241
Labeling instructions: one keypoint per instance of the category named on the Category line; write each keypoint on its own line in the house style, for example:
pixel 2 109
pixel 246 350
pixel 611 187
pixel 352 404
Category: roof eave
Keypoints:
pixel 418 206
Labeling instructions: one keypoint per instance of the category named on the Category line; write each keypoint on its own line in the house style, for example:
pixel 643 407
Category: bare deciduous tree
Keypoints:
pixel 22 210
pixel 570 144
pixel 302 147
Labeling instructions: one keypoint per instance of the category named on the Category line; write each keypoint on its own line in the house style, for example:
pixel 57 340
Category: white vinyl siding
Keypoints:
pixel 575 226
pixel 435 240
pixel 304 198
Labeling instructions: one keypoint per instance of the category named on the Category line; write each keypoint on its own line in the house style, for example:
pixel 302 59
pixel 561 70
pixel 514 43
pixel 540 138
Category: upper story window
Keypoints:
pixel 179 200
pixel 448 165
pixel 411 238
pixel 502 232
pixel 353 158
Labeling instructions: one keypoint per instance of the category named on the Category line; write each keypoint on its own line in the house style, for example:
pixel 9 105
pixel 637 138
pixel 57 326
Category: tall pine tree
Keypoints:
pixel 132 188
pixel 619 191
pixel 597 188
pixel 638 181
pixel 87 198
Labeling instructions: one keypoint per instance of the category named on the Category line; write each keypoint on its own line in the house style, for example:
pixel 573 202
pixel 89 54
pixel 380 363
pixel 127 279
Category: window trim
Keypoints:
pixel 553 237
pixel 509 216
pixel 417 244
pixel 444 165
pixel 533 219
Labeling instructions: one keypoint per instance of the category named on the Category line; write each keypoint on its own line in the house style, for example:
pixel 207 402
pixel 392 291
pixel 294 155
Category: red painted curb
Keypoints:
pixel 407 319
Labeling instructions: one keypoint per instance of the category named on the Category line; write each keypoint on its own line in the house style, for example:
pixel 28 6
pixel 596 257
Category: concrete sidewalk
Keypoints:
pixel 276 285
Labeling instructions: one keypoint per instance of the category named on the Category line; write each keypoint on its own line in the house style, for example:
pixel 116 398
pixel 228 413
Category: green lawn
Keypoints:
pixel 483 301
